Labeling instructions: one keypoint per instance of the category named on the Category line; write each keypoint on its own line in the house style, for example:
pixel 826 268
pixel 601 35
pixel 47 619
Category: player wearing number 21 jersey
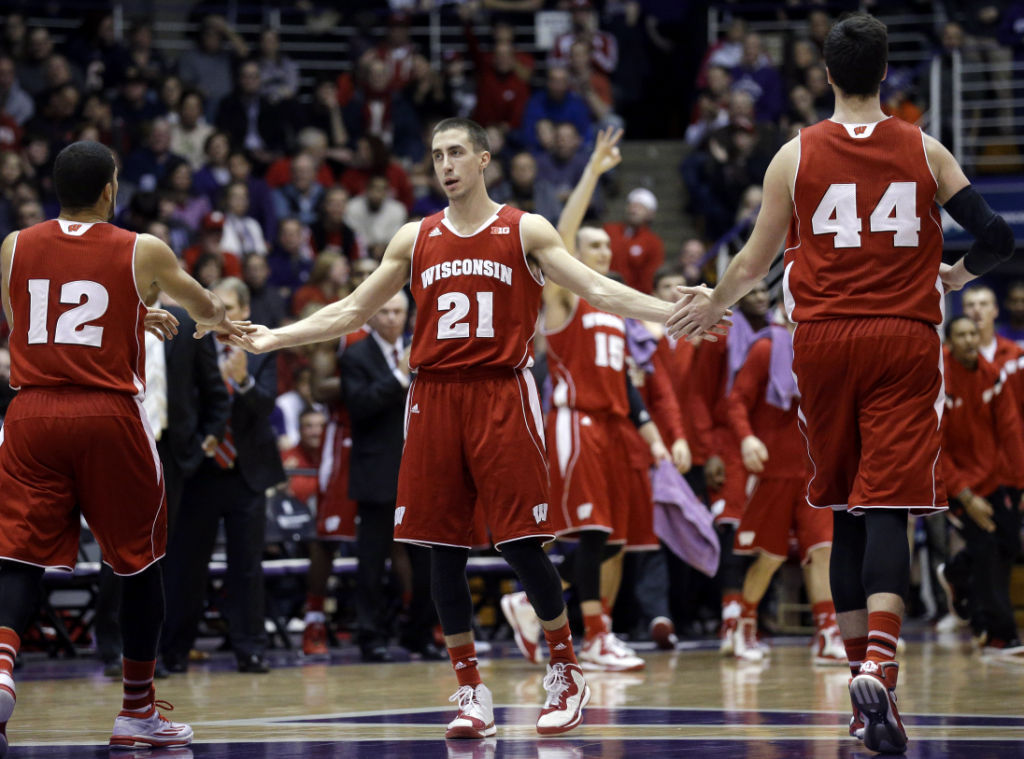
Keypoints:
pixel 474 439
pixel 864 282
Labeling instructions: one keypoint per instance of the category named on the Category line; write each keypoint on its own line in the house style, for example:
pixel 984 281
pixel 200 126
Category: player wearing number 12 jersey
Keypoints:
pixel 865 281
pixel 474 438
pixel 76 438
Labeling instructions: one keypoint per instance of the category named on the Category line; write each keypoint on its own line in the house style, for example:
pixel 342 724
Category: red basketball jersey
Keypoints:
pixel 78 317
pixel 865 238
pixel 476 297
pixel 586 359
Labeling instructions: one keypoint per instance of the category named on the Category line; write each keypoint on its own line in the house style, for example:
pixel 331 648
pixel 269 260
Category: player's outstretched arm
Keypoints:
pixel 157 269
pixel 543 244
pixel 696 315
pixel 6 258
pixel 349 313
pixel 993 238
pixel 606 156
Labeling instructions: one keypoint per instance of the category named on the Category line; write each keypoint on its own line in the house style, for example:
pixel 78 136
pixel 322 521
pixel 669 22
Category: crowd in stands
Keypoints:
pixel 245 171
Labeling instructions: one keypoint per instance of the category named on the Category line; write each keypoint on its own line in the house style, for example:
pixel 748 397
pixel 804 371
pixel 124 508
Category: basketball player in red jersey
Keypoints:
pixel 474 428
pixel 590 437
pixel 864 282
pixel 76 437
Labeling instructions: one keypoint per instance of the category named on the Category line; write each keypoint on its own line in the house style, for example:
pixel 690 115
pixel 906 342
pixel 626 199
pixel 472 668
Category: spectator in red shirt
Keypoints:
pixel 590 84
pixel 395 51
pixel 637 251
pixel 983 466
pixel 502 80
pixel 312 142
pixel 305 457
pixel 328 282
pixel 604 49
pixel 372 157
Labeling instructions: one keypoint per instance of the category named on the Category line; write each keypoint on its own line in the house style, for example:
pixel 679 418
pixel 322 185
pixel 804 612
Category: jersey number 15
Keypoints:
pixel 895 212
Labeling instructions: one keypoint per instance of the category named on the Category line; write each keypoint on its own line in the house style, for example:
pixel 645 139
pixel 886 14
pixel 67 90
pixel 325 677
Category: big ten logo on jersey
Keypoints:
pixel 73 328
pixel 451 325
pixel 609 350
pixel 895 212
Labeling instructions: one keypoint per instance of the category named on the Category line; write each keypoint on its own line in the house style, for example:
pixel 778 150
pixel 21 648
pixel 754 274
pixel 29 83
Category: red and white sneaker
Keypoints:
pixel 524 623
pixel 874 698
pixel 827 647
pixel 476 713
pixel 568 693
pixel 7 701
pixel 608 653
pixel 314 639
pixel 746 646
pixel 726 633
pixel 154 730
pixel 663 633
pixel 856 721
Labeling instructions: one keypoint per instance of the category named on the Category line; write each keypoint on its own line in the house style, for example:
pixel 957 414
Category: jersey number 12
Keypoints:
pixel 90 300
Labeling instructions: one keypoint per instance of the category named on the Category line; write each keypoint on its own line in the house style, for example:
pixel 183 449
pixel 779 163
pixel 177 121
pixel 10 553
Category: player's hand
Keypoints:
pixel 161 323
pixel 755 453
pixel 695 316
pixel 954 276
pixel 681 458
pixel 659 452
pixel 980 511
pixel 225 329
pixel 209 446
pixel 403 362
pixel 714 473
pixel 236 367
pixel 606 155
pixel 258 339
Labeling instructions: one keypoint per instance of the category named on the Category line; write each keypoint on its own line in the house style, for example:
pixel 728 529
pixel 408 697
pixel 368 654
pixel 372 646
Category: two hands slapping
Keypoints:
pixel 696 317
pixel 254 338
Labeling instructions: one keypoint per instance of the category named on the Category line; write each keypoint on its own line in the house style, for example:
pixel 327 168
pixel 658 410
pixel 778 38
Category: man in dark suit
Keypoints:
pixel 231 486
pixel 252 121
pixel 374 379
pixel 193 411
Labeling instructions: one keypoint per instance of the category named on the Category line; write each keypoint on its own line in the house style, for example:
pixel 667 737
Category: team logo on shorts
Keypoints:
pixel 746 538
pixel 540 513
pixel 399 515
pixel 584 510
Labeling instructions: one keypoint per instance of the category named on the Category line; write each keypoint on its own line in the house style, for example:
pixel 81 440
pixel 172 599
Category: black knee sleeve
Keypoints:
pixel 19 594
pixel 731 566
pixel 450 589
pixel 847 562
pixel 537 575
pixel 886 553
pixel 589 555
pixel 142 613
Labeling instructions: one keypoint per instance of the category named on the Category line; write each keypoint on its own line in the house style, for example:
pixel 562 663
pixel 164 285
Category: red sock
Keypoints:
pixel 593 625
pixel 138 686
pixel 560 645
pixel 824 613
pixel 9 645
pixel 855 652
pixel 314 603
pixel 883 632
pixel 464 662
pixel 748 609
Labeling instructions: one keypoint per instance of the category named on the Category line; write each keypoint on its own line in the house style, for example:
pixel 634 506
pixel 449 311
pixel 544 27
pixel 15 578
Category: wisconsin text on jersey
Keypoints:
pixel 467 267
pixel 601 319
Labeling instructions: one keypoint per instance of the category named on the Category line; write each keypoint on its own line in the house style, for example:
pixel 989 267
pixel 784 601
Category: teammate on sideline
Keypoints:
pixel 74 297
pixel 593 500
pixel 762 408
pixel 864 282
pixel 474 429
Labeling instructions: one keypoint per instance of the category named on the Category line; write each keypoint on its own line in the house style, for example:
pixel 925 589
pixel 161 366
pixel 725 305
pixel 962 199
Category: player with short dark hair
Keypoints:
pixel 76 437
pixel 864 281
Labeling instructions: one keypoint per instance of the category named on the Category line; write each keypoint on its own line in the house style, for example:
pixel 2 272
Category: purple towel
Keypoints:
pixel 642 344
pixel 781 380
pixel 682 522
pixel 741 337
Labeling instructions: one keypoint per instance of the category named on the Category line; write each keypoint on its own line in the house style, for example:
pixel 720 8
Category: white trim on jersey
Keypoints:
pixel 14 249
pixel 81 229
pixel 140 353
pixel 534 401
pixel 868 128
pixel 326 468
pixel 526 260
pixel 491 219
pixel 568 319
pixel 787 295
pixel 924 148
pixel 412 253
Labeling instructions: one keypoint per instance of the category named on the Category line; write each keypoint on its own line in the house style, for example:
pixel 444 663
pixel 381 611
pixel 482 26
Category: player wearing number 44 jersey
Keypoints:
pixel 76 438
pixel 864 281
pixel 474 437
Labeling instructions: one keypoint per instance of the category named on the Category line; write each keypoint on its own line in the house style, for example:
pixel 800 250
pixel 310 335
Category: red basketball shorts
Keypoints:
pixel 71 450
pixel 590 473
pixel 871 409
pixel 727 502
pixel 335 511
pixel 474 440
pixel 776 509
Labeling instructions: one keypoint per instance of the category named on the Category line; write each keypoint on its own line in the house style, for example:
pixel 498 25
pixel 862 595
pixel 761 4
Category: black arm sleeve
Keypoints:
pixel 638 414
pixel 993 238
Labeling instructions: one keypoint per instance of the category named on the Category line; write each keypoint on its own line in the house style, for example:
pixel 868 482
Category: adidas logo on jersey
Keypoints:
pixel 399 515
pixel 435 232
pixel 540 513
pixel 415 409
pixel 501 230
pixel 584 510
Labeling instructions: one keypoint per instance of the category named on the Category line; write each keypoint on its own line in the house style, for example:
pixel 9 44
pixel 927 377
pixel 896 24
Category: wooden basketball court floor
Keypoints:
pixel 690 702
